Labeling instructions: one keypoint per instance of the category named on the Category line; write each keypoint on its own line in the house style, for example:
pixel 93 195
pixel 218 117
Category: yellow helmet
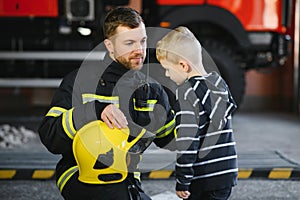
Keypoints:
pixel 100 153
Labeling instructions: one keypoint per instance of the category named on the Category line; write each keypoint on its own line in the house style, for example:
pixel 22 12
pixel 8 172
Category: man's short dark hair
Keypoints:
pixel 121 16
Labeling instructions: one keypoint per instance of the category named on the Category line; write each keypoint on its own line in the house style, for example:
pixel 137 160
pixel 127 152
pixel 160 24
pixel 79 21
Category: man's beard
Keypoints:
pixel 128 64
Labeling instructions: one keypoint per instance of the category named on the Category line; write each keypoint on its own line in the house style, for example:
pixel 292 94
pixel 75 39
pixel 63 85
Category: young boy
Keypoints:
pixel 206 165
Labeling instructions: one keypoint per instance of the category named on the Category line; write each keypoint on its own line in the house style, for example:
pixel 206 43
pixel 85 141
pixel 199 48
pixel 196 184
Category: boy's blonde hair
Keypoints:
pixel 180 43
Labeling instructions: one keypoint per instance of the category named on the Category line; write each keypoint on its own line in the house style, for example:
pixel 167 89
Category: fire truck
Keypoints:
pixel 44 38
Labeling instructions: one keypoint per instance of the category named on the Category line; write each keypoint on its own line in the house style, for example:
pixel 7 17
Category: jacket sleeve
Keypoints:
pixel 51 130
pixel 165 119
pixel 187 140
pixel 65 116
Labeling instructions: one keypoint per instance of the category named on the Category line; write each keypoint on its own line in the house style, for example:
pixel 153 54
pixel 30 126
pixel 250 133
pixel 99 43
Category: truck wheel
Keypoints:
pixel 228 67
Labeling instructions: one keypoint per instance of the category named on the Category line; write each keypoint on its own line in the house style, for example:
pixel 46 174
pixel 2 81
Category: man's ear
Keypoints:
pixel 109 45
pixel 185 66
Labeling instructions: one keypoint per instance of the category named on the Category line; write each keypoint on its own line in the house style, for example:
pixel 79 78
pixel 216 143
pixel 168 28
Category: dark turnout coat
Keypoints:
pixel 81 98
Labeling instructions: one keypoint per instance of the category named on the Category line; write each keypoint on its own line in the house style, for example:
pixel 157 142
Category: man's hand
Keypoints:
pixel 114 117
pixel 183 194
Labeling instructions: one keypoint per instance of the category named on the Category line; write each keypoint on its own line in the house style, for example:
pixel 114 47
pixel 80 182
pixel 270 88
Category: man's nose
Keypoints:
pixel 138 50
pixel 138 47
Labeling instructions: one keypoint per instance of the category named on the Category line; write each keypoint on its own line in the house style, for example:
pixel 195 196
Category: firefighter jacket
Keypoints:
pixel 85 92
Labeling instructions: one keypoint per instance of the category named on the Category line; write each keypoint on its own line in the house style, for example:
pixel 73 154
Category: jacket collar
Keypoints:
pixel 114 70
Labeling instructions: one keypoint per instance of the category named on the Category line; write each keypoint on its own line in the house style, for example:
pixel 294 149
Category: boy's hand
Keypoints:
pixel 183 194
pixel 114 117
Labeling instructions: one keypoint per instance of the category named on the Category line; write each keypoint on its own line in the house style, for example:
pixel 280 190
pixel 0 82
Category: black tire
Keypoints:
pixel 228 67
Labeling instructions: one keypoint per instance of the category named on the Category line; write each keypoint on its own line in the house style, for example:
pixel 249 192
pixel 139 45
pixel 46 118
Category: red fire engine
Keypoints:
pixel 238 34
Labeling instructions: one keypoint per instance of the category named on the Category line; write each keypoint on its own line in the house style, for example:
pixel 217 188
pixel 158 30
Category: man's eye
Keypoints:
pixel 129 43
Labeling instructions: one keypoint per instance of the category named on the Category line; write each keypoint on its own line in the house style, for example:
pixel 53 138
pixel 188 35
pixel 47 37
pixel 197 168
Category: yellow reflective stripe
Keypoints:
pixel 150 105
pixel 151 101
pixel 165 134
pixel 169 125
pixel 63 179
pixel 137 175
pixel 55 111
pixel 175 133
pixel 105 99
pixel 144 109
pixel 67 122
pixel 114 98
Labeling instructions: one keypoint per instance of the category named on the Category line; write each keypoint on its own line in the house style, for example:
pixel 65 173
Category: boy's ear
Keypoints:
pixel 185 65
pixel 109 45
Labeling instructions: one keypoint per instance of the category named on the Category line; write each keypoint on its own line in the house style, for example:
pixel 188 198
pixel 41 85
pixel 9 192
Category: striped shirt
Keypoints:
pixel 204 138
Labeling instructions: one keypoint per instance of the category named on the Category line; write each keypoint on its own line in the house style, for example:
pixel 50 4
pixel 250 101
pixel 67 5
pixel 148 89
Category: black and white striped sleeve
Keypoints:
pixel 187 138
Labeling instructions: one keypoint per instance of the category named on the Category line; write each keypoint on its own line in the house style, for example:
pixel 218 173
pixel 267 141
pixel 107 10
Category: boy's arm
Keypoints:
pixel 183 194
pixel 187 140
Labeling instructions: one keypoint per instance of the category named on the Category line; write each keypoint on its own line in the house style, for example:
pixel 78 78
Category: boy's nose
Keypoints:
pixel 167 74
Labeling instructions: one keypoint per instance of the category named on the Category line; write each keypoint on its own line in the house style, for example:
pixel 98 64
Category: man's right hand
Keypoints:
pixel 114 117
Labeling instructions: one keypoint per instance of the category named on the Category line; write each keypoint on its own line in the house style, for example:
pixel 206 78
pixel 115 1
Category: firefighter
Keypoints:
pixel 112 91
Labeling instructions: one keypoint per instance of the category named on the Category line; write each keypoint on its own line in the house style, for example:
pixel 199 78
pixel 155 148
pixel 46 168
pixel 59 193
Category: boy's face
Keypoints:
pixel 174 71
pixel 129 46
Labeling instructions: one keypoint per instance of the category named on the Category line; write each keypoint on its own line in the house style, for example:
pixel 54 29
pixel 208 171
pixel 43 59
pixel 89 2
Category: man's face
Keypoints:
pixel 129 46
